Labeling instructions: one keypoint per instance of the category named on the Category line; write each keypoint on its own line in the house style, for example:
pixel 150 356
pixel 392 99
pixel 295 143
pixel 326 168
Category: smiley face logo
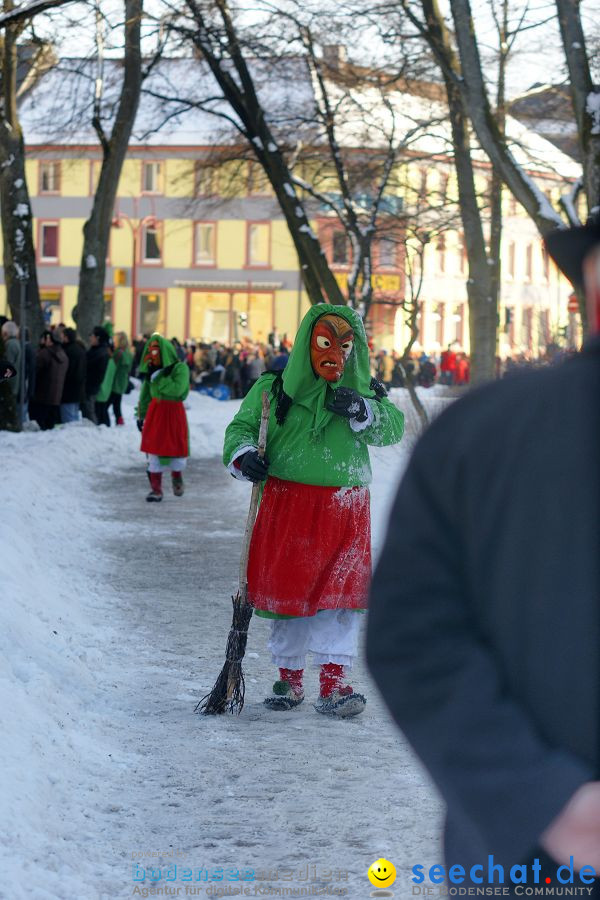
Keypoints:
pixel 382 873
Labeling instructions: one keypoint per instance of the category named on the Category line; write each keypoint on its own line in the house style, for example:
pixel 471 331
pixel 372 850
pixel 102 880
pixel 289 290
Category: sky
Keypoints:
pixel 536 58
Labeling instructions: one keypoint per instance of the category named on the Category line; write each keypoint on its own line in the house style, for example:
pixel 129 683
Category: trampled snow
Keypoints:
pixel 114 619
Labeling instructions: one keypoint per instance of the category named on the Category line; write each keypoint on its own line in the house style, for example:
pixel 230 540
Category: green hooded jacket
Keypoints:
pixel 123 359
pixel 315 446
pixel 105 389
pixel 173 382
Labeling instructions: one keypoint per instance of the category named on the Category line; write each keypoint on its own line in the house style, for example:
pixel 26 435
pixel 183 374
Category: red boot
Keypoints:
pixel 120 420
pixel 288 691
pixel 155 495
pixel 336 698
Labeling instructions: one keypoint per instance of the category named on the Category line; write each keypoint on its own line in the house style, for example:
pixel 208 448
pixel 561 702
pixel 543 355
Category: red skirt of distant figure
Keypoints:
pixel 165 431
pixel 310 549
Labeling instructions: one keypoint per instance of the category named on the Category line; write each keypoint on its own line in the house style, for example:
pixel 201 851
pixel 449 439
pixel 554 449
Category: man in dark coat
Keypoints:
pixel 51 369
pixel 484 631
pixel 74 386
pixel 97 361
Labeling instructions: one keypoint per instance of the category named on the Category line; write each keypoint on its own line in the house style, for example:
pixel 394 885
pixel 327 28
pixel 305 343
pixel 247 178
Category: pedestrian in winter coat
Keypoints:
pixel 310 555
pixel 12 353
pixel 161 414
pixel 51 371
pixel 485 622
pixel 74 387
pixel 123 359
pixel 105 391
pixel 7 370
pixel 97 361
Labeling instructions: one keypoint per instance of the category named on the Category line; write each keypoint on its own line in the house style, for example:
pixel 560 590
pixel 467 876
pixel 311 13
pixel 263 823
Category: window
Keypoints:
pixel 528 262
pixel 527 328
pixel 545 263
pixel 387 253
pixel 339 252
pixel 49 177
pixel 455 331
pixel 152 313
pixel 511 259
pixel 205 180
pixel 48 241
pixel 150 244
pixel 152 178
pixel 205 244
pixel 259 239
pixel 440 247
pixel 438 320
pixel 50 301
pixel 108 307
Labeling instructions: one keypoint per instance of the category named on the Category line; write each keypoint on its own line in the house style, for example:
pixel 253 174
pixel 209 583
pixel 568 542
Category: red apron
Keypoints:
pixel 310 549
pixel 165 430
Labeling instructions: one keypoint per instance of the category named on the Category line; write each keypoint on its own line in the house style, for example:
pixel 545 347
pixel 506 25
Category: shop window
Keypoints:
pixel 152 313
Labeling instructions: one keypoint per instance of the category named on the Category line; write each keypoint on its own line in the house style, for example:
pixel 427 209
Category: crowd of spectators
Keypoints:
pixel 65 380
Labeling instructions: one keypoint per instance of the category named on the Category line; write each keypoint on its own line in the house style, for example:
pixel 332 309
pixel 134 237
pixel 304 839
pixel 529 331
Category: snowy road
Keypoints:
pixel 121 776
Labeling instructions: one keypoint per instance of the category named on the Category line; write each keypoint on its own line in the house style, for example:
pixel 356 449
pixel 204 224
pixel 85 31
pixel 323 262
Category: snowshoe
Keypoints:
pixel 283 697
pixel 342 703
pixel 177 483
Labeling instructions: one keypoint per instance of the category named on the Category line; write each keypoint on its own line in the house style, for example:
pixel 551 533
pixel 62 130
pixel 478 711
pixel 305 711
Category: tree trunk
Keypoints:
pixel 483 311
pixel 15 205
pixel 241 94
pixel 472 89
pixel 96 232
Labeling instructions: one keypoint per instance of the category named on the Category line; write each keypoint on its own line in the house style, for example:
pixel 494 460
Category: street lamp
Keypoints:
pixel 136 229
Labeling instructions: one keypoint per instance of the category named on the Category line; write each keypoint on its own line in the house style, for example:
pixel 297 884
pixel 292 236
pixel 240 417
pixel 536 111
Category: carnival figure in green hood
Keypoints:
pixel 310 555
pixel 161 414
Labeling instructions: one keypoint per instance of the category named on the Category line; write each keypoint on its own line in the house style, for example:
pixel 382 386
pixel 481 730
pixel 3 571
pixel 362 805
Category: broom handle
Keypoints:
pixel 262 443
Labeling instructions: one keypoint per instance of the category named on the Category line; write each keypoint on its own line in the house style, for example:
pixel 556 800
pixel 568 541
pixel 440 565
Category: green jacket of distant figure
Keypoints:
pixel 123 359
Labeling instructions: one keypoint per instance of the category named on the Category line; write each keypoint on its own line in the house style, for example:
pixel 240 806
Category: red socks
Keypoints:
pixel 293 677
pixel 330 677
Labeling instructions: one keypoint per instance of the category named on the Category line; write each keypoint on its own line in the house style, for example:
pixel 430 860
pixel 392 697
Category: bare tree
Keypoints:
pixel 96 231
pixel 20 274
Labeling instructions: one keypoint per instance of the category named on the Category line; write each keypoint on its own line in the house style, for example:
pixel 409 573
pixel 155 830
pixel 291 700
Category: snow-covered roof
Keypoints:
pixel 181 105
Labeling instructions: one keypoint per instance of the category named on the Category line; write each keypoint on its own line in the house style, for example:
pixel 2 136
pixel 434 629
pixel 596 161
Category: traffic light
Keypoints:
pixel 508 314
pixel 243 320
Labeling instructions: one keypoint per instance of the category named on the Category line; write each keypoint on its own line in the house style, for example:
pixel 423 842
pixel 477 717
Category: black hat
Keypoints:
pixel 101 334
pixel 568 247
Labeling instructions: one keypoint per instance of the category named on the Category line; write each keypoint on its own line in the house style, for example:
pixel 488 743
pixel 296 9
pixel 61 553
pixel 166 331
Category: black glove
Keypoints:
pixel 379 388
pixel 254 467
pixel 140 424
pixel 349 403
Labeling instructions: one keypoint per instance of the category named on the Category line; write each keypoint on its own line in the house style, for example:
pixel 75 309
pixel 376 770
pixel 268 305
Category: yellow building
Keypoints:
pixel 201 252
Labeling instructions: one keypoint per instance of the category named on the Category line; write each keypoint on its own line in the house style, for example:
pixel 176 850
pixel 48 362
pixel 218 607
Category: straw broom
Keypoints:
pixel 227 694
